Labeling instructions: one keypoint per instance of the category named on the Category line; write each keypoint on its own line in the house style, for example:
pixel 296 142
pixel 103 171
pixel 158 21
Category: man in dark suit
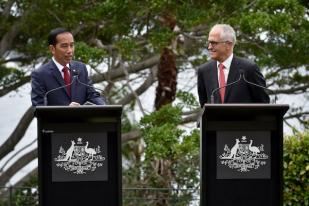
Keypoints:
pixel 61 70
pixel 224 68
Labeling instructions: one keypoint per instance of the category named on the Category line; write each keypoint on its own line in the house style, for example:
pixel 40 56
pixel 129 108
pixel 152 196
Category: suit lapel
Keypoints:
pixel 57 75
pixel 74 84
pixel 214 81
pixel 233 76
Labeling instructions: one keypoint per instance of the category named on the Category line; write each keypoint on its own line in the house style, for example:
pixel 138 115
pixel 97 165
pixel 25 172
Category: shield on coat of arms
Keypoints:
pixel 79 151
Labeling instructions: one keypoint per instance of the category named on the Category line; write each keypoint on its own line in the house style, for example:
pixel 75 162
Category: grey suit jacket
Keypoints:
pixel 240 92
pixel 48 77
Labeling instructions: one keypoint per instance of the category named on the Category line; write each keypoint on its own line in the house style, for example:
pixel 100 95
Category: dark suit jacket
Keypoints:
pixel 240 92
pixel 48 77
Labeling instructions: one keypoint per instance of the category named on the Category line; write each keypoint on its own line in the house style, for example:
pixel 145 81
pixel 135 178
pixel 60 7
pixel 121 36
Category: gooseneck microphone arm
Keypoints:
pixel 212 98
pixel 76 73
pixel 87 85
pixel 265 88
pixel 64 86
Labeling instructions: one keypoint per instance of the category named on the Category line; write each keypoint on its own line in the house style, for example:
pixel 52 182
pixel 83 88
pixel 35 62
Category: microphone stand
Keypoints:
pixel 95 88
pixel 45 96
pixel 212 98
pixel 242 73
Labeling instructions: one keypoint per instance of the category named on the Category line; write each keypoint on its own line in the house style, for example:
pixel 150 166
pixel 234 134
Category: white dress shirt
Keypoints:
pixel 227 64
pixel 60 67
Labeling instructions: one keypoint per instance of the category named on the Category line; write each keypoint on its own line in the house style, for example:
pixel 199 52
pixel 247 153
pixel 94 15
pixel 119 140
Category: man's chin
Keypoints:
pixel 67 61
pixel 214 57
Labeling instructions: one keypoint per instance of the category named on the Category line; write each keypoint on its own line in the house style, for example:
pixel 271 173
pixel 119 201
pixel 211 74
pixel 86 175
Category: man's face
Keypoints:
pixel 219 49
pixel 63 51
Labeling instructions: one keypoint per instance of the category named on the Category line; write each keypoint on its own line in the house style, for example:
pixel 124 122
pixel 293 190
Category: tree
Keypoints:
pixel 125 42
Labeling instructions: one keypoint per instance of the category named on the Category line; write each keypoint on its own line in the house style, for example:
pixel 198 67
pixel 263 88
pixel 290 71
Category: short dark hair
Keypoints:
pixel 52 37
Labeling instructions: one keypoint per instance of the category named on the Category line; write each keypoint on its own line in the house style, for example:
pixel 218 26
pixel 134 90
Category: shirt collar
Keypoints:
pixel 227 63
pixel 59 66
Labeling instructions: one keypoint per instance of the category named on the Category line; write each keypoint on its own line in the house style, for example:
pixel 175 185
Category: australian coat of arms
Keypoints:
pixel 79 158
pixel 243 156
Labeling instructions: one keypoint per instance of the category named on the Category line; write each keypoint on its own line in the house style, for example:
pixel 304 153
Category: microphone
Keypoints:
pixel 212 98
pixel 75 74
pixel 242 73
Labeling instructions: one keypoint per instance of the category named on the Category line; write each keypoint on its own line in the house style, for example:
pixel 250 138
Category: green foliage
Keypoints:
pixel 27 195
pixel 89 55
pixel 191 15
pixel 171 154
pixel 128 48
pixel 187 164
pixel 161 38
pixel 296 170
pixel 166 115
pixel 163 142
pixel 187 99
pixel 160 132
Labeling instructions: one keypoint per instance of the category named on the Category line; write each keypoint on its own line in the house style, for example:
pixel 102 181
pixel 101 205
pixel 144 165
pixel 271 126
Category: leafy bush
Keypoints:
pixel 296 170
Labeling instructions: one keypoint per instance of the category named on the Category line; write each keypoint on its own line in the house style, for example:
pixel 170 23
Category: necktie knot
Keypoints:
pixel 221 67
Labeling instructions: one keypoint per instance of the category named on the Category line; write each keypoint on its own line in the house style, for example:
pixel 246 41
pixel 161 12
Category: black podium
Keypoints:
pixel 241 154
pixel 79 155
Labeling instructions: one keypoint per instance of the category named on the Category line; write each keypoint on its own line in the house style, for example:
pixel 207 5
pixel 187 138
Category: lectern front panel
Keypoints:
pixel 79 156
pixel 241 155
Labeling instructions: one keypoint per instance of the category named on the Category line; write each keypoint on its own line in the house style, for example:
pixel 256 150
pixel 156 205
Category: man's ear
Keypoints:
pixel 51 48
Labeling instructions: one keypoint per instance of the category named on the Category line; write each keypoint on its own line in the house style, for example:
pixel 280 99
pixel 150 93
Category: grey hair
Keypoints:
pixel 227 32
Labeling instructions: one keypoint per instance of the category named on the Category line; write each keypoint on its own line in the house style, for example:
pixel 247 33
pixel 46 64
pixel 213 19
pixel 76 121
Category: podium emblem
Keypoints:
pixel 243 156
pixel 79 158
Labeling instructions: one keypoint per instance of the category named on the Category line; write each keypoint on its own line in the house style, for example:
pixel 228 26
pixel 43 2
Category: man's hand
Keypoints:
pixel 74 104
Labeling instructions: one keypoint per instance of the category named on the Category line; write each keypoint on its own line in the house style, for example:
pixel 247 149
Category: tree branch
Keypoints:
pixel 131 89
pixel 14 86
pixel 7 39
pixel 118 73
pixel 147 83
pixel 17 134
pixel 293 90
pixel 20 163
pixel 132 135
pixel 296 115
pixel 190 118
pixel 7 9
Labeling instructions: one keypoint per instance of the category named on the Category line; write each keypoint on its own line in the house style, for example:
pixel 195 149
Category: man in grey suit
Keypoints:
pixel 225 68
pixel 62 71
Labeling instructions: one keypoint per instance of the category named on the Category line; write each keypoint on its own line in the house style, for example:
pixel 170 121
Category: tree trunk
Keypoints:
pixel 167 79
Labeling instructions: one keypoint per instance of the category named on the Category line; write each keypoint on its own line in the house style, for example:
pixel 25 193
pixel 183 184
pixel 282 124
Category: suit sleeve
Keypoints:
pixel 259 94
pixel 37 89
pixel 202 94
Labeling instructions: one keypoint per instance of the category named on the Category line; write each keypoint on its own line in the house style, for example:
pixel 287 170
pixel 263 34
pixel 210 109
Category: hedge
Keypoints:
pixel 296 170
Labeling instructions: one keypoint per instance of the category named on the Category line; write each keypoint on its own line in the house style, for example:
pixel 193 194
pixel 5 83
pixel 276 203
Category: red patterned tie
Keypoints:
pixel 67 79
pixel 222 82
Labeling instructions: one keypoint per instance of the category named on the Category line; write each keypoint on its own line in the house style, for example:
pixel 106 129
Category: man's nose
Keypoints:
pixel 70 49
pixel 209 46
